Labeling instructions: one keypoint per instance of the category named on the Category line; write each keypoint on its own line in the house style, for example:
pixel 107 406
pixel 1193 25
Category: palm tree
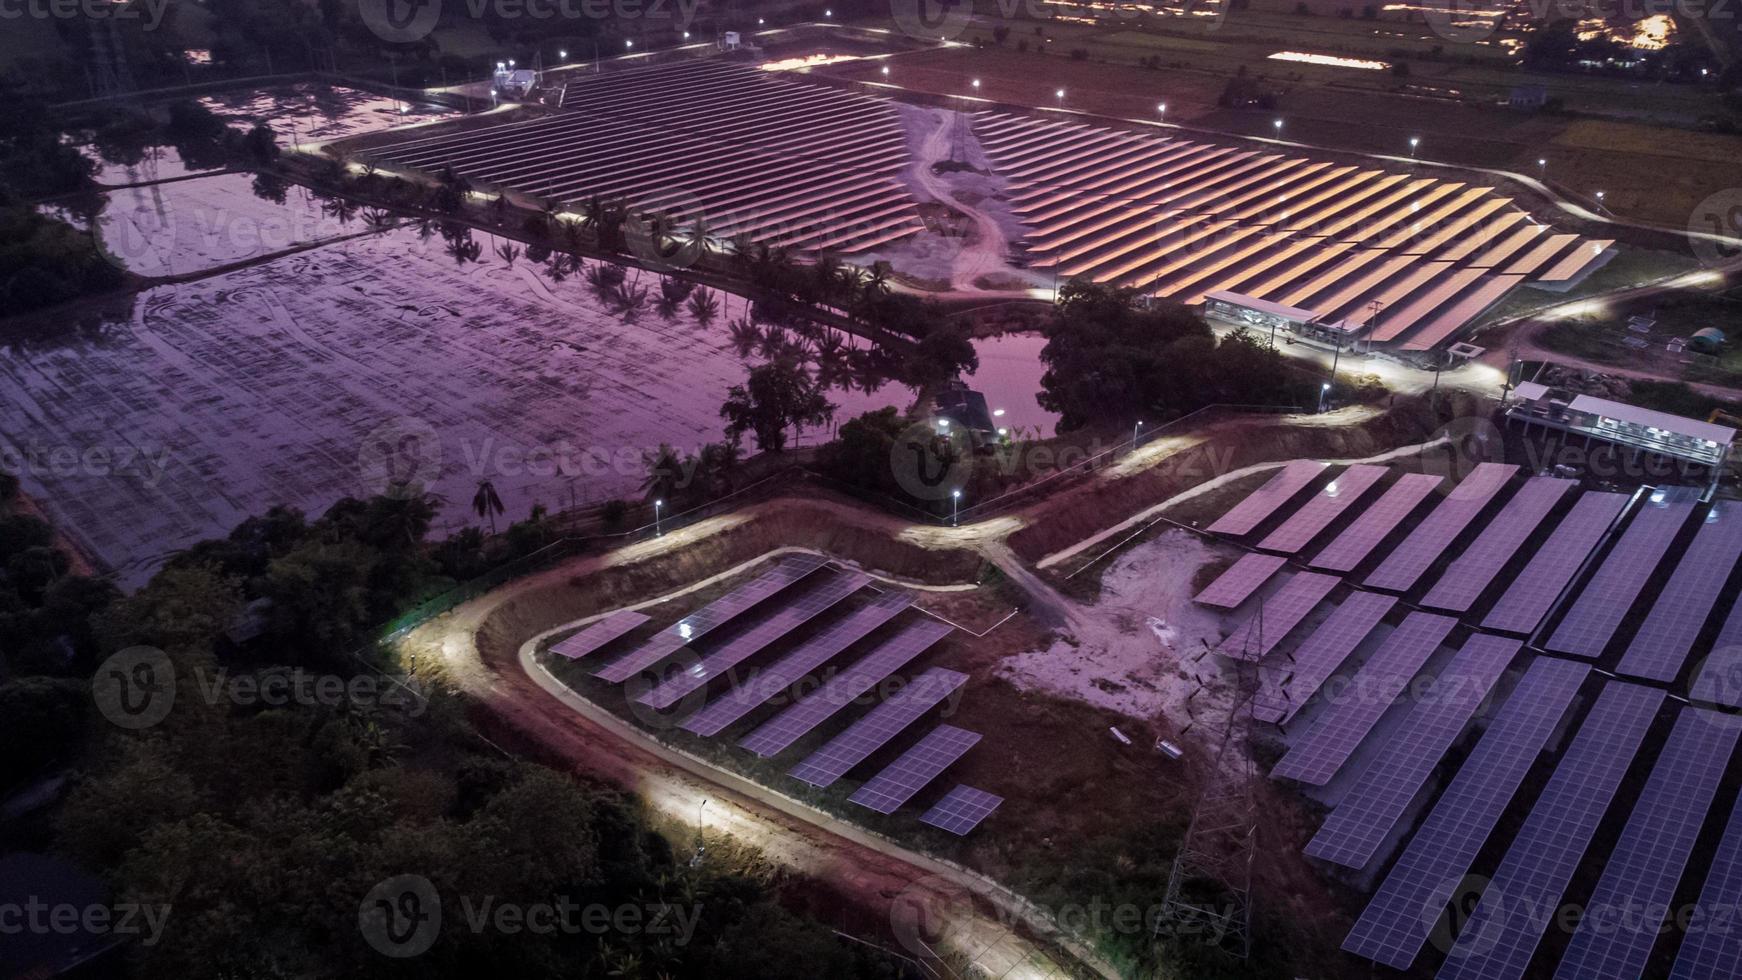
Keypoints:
pixel 746 337
pixel 704 306
pixel 487 504
pixel 507 253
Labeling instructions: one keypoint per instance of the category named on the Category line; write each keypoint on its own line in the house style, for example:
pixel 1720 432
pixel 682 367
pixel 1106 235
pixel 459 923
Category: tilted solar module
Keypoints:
pixel 1285 687
pixel 896 784
pixel 747 643
pixel 1317 756
pixel 1282 612
pixel 961 810
pixel 1364 818
pixel 596 635
pixel 785 573
pixel 1712 942
pixel 1262 502
pixel 1599 609
pixel 1395 923
pixel 1614 940
pixel 1668 633
pixel 1325 506
pixel 1531 595
pixel 1474 570
pixel 1403 567
pixel 778 733
pixel 1358 540
pixel 878 726
pixel 1717 677
pixel 1242 578
pixel 788 670
pixel 1503 931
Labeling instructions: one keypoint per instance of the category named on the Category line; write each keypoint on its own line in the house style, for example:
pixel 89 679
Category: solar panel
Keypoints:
pixel 1712 947
pixel 1364 818
pixel 1473 571
pixel 1587 627
pixel 1663 640
pixel 1318 756
pixel 1325 506
pixel 1432 536
pixel 1503 931
pixel 1360 538
pixel 1285 687
pixel 961 810
pixel 785 672
pixel 596 635
pixel 1262 502
pixel 1395 924
pixel 1281 613
pixel 748 642
pixel 1531 595
pixel 697 624
pixel 1243 578
pixel 918 766
pixel 878 726
pixel 1718 677
pixel 778 733
pixel 1613 940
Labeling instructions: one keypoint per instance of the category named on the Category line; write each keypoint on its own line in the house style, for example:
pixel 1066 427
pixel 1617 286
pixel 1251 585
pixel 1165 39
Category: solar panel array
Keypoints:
pixel 1605 599
pixel 1284 688
pixel 1364 818
pixel 785 573
pixel 1533 593
pixel 918 766
pixel 1718 678
pixel 1668 633
pixel 1325 506
pixel 1262 502
pixel 961 810
pixel 1614 940
pixel 1280 614
pixel 748 642
pixel 1403 567
pixel 596 635
pixel 1712 942
pixel 819 649
pixel 1358 540
pixel 1393 926
pixel 1242 578
pixel 1503 931
pixel 778 733
pixel 878 726
pixel 1473 571
pixel 1318 756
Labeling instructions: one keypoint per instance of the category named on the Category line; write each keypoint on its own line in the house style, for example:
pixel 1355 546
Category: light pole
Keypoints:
pixel 976 84
pixel 1161 110
pixel 1323 390
pixel 1277 124
pixel 1542 167
pixel 885 71
pixel 1060 95
pixel 657 504
pixel 1134 430
pixel 1414 141
pixel 1600 205
pixel 955 506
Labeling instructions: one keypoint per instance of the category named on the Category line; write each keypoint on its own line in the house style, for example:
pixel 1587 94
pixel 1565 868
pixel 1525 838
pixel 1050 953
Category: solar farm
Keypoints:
pixel 1504 685
pixel 1384 255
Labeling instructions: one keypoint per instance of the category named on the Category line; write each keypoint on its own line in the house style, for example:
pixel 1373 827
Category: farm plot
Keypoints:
pixel 727 147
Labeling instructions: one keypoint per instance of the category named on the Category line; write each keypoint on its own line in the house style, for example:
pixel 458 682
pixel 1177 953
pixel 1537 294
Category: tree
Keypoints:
pixel 777 395
pixel 944 353
pixel 485 503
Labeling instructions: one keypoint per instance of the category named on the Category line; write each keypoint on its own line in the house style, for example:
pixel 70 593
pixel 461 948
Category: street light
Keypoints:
pixel 657 504
pixel 955 506
pixel 885 71
pixel 976 85
pixel 628 43
pixel 1134 430
pixel 1323 390
pixel 1060 95
pixel 563 55
pixel 1278 124
pixel 1600 201
pixel 1161 110
pixel 1414 141
pixel 1542 166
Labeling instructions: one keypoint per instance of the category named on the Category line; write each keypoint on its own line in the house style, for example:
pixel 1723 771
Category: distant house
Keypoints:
pixel 1528 97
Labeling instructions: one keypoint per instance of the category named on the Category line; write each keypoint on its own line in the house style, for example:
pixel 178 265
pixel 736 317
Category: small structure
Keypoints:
pixel 730 41
pixel 1693 444
pixel 1707 341
pixel 965 407
pixel 515 82
pixel 1528 97
pixel 1267 317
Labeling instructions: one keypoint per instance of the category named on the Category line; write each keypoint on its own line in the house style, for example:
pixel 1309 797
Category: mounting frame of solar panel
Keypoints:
pixel 1472 572
pixel 778 733
pixel 1367 814
pixel 1264 501
pixel 1713 950
pixel 1658 650
pixel 1288 686
pixel 748 642
pixel 590 638
pixel 961 810
pixel 1503 931
pixel 1391 929
pixel 1405 566
pixel 1589 625
pixel 1534 591
pixel 882 723
pixel 1315 759
pixel 1278 616
pixel 1647 863
pixel 917 767
pixel 1242 578
pixel 1324 508
pixel 788 670
pixel 1358 540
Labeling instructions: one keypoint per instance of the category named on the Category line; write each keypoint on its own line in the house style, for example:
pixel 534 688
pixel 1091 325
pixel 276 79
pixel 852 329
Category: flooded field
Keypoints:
pixel 317 113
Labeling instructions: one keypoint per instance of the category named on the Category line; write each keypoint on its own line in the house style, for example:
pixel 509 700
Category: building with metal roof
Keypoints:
pixel 1641 431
